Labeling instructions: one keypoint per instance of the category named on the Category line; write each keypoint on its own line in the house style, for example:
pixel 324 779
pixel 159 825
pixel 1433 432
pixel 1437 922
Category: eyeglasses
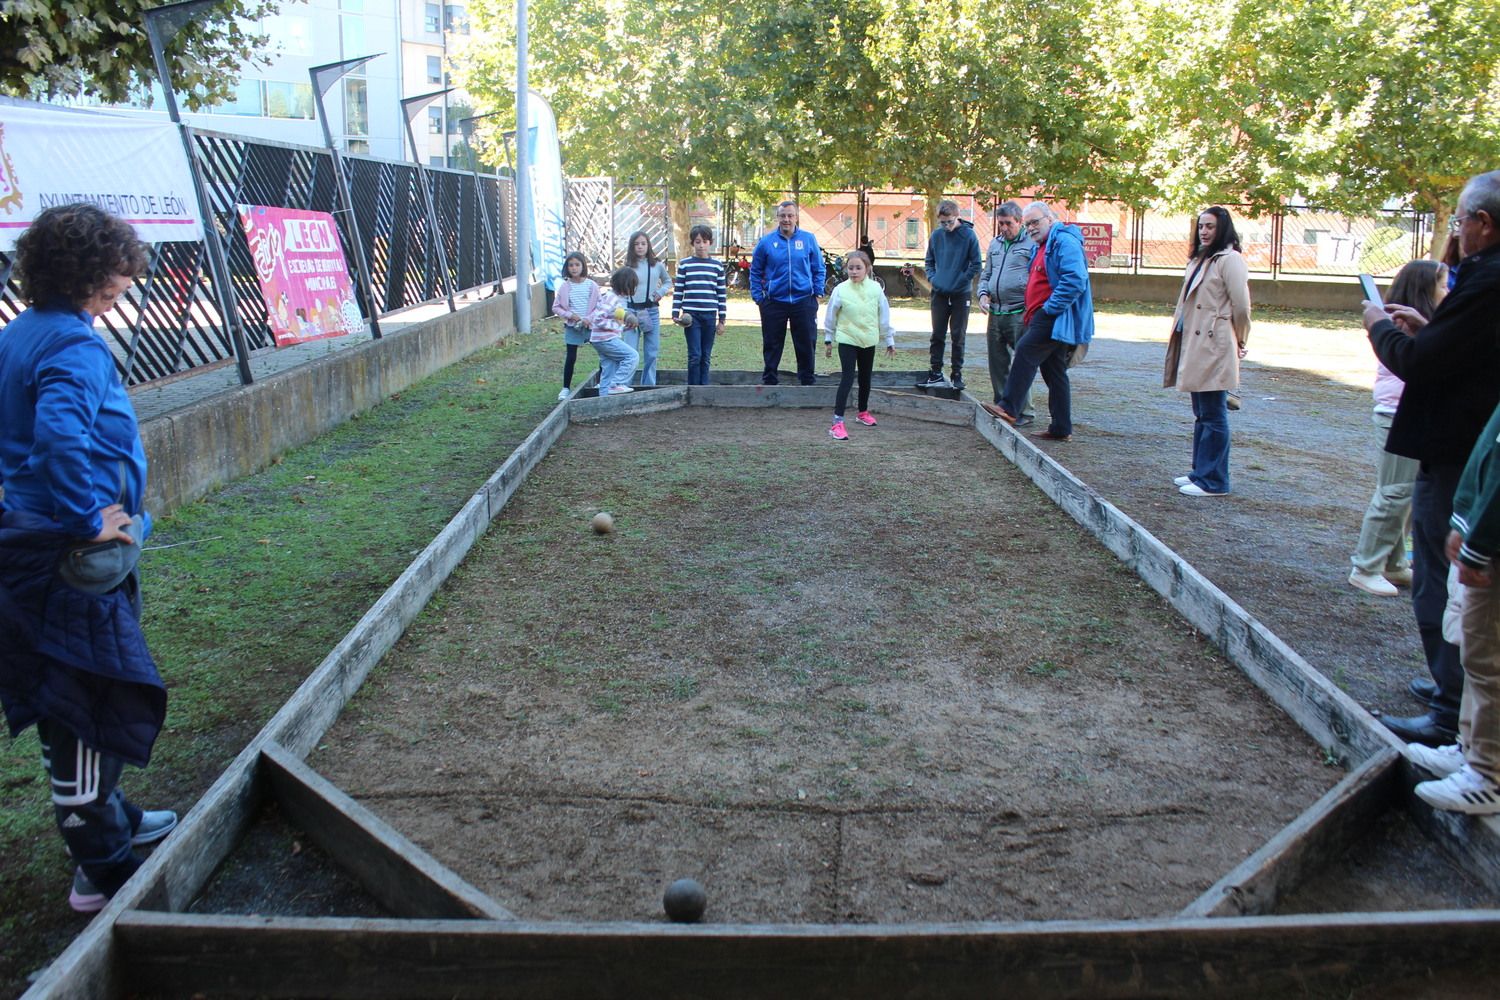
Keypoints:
pixel 1032 223
pixel 1456 223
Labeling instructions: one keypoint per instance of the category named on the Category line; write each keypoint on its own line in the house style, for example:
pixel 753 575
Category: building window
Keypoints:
pixel 289 100
pixel 431 15
pixel 247 100
pixel 352 33
pixel 913 230
pixel 434 69
pixel 357 146
pixel 293 31
pixel 435 121
pixel 456 18
pixel 356 107
pixel 436 161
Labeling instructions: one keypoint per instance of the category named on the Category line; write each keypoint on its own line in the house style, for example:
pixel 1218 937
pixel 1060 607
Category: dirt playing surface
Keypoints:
pixel 883 680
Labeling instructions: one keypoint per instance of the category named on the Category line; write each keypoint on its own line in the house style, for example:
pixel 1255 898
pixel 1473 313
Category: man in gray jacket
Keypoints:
pixel 1002 294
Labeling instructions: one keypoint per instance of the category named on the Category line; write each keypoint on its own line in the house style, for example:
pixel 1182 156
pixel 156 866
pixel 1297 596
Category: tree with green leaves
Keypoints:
pixel 65 48
pixel 1344 103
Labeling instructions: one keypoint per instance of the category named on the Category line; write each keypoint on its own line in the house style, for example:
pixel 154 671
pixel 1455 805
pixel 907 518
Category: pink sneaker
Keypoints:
pixel 865 418
pixel 837 431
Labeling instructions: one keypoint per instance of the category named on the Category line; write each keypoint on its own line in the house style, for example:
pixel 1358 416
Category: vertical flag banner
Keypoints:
pixel 304 277
pixel 133 169
pixel 548 200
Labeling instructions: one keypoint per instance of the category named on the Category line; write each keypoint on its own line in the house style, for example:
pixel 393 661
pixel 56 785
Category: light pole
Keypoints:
pixel 412 106
pixel 162 25
pixel 524 219
pixel 323 77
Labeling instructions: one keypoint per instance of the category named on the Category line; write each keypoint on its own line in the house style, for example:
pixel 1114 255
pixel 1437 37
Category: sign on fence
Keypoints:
pixel 1098 240
pixel 304 278
pixel 133 169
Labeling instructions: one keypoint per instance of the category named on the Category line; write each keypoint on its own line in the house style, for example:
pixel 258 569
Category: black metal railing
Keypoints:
pixel 171 321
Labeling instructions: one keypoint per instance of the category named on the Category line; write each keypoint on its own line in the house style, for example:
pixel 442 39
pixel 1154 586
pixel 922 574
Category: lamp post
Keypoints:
pixel 324 77
pixel 524 217
pixel 162 25
pixel 412 106
pixel 466 127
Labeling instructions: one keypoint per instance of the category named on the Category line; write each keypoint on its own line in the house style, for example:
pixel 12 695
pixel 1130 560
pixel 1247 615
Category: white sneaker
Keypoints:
pixel 1400 577
pixel 1372 583
pixel 1441 761
pixel 1192 489
pixel 1182 480
pixel 619 390
pixel 1465 791
pixel 563 393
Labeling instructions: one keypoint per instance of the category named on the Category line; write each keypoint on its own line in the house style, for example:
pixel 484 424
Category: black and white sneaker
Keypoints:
pixel 1465 791
pixel 935 380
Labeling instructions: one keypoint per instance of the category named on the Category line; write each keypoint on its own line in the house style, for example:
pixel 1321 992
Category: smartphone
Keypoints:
pixel 1367 285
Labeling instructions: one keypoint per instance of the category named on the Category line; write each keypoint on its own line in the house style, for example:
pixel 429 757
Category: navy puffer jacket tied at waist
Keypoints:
pixel 75 658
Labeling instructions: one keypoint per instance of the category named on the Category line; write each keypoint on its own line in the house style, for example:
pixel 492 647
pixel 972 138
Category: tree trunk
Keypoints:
pixel 1441 211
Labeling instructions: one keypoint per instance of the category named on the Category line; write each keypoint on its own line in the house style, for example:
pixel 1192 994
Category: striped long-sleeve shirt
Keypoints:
pixel 700 287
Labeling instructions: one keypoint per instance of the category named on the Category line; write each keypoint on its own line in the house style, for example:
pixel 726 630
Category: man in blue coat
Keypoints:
pixel 1058 321
pixel 786 280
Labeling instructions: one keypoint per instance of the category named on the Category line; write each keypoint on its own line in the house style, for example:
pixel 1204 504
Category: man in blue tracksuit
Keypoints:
pixel 786 280
pixel 952 263
pixel 1059 320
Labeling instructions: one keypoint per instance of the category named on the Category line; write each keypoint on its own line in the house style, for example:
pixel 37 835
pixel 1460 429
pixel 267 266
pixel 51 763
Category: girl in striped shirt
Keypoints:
pixel 699 300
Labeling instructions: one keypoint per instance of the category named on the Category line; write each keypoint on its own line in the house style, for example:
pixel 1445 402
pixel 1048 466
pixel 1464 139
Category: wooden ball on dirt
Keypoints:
pixel 685 901
pixel 603 522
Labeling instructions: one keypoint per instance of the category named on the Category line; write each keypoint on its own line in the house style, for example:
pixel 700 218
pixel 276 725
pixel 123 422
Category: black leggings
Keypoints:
pixel 849 357
pixel 568 366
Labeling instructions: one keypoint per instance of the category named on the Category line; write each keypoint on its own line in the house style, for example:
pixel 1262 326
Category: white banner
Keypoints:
pixel 133 169
pixel 548 200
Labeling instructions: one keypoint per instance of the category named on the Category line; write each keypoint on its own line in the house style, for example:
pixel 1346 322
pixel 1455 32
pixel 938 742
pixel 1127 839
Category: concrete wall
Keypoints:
pixel 233 434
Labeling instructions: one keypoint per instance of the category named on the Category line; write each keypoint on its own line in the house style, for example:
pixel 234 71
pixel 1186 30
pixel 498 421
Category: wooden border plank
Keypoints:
pixel 627 404
pixel 1323 832
pixel 1472 841
pixel 1245 956
pixel 1311 700
pixel 404 878
pixel 178 869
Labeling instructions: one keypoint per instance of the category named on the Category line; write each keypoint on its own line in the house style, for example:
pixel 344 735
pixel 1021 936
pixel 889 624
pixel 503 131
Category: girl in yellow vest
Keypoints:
pixel 857 315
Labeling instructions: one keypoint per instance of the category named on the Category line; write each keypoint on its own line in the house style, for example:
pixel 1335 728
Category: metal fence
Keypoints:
pixel 601 217
pixel 171 321
pixel 1297 240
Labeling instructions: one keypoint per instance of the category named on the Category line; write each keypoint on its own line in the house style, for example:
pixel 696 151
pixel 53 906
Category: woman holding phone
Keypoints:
pixel 1380 564
pixel 1209 330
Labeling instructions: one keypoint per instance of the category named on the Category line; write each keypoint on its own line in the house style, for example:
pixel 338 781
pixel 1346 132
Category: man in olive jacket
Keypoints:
pixel 1451 368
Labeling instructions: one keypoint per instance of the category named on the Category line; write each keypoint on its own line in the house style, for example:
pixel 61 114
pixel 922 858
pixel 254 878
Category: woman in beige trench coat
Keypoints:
pixel 1209 330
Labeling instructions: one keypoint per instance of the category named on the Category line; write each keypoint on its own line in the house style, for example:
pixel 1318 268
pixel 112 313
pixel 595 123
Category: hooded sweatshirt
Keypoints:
pixel 953 258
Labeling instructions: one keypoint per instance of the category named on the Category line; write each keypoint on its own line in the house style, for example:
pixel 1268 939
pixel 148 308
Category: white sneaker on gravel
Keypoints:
pixel 1182 480
pixel 1464 791
pixel 1441 761
pixel 1372 583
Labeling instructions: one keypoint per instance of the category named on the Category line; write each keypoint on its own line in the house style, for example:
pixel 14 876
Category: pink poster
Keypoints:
pixel 303 276
pixel 1098 240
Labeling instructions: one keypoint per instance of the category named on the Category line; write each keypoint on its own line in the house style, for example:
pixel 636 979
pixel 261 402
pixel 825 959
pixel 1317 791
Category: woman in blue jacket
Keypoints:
pixel 73 469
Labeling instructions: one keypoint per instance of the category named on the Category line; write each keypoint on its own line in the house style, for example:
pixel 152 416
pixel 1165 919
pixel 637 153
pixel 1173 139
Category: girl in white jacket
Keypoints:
pixel 857 315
